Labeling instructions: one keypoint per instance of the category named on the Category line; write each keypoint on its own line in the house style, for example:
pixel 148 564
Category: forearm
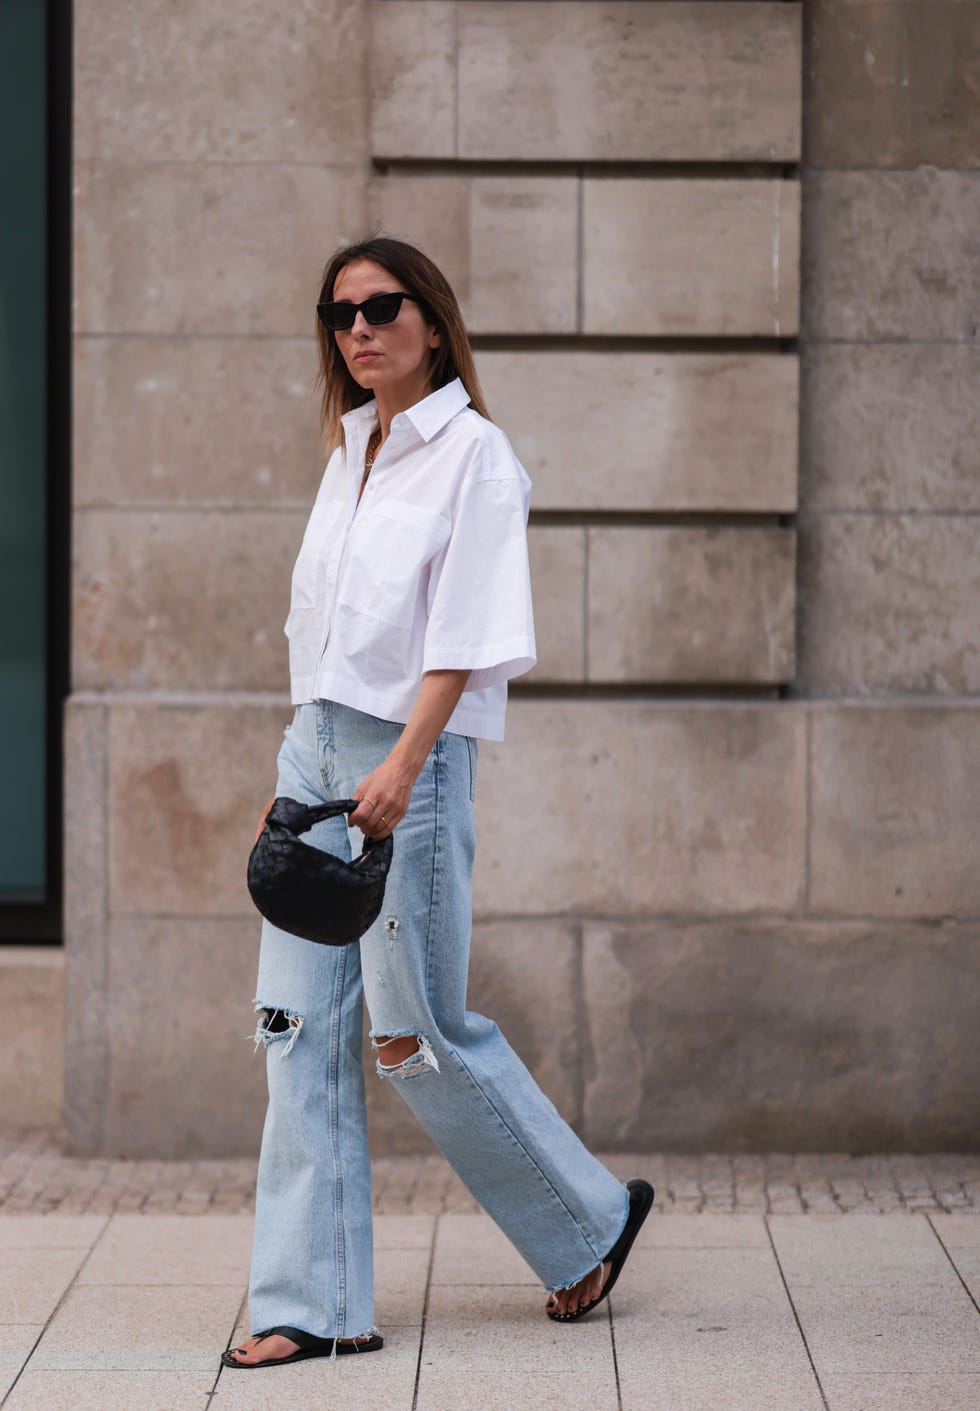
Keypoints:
pixel 438 697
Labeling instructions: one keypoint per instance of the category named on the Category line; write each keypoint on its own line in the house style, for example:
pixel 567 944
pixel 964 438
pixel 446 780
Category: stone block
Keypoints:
pixel 775 1035
pixel 32 1042
pixel 412 76
pixel 887 427
pixel 706 256
pixel 649 431
pixel 189 83
pixel 230 422
pixel 891 255
pixel 893 821
pixel 523 975
pixel 892 85
pixel 186 785
pixel 183 1078
pixel 86 905
pixel 557 557
pixel 182 599
pixel 636 806
pixel 628 82
pixel 207 248
pixel 888 604
pixel 507 244
pixel 693 605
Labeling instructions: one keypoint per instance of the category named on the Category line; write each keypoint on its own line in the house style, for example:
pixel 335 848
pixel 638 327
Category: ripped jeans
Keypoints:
pixel 312 1257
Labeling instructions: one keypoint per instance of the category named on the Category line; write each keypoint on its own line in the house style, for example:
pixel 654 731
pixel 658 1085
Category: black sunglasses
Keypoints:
pixel 380 308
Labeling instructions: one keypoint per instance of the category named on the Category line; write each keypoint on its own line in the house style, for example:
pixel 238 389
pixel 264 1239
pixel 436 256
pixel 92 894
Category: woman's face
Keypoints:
pixel 390 359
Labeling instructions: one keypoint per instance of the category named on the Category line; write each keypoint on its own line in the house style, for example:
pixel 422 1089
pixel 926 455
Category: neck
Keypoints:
pixel 392 400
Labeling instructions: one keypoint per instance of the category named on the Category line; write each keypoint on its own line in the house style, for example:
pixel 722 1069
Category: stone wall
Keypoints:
pixel 726 891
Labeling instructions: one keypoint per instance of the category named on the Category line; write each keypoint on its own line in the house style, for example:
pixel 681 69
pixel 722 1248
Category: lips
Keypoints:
pixel 366 357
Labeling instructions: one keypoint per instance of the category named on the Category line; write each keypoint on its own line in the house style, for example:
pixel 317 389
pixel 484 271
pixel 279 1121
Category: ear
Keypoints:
pixel 435 339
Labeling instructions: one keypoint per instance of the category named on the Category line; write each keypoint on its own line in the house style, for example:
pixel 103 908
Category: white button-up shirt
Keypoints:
pixel 429 572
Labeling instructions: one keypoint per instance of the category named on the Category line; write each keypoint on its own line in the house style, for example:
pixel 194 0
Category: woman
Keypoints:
pixel 410 610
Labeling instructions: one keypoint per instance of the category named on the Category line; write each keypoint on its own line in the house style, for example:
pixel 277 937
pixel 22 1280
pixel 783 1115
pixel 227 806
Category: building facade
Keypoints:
pixel 720 265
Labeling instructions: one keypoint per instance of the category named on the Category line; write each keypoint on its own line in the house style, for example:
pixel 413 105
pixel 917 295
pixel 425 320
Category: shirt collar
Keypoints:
pixel 428 416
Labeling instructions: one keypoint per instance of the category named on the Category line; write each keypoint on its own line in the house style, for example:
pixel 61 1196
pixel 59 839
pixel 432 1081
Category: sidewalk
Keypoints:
pixel 124 1309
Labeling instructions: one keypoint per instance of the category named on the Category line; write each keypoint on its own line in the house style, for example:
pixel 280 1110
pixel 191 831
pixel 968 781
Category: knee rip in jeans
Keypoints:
pixel 413 1054
pixel 274 1024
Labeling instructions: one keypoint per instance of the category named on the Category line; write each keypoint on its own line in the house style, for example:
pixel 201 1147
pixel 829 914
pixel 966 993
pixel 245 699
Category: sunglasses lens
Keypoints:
pixel 382 308
pixel 337 316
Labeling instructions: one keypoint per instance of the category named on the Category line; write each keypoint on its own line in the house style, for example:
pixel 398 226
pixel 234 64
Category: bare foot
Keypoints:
pixel 254 1350
pixel 570 1299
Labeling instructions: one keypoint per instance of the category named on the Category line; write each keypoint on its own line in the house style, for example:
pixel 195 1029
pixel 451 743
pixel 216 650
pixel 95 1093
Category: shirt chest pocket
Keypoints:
pixel 310 562
pixel 386 570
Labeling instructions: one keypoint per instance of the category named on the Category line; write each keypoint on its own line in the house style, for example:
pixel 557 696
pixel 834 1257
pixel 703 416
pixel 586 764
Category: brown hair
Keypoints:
pixel 420 277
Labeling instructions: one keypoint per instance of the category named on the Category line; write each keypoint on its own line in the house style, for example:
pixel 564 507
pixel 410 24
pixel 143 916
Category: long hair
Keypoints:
pixel 421 278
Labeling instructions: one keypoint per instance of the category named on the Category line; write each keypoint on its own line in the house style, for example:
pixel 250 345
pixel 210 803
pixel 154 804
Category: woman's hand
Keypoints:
pixel 385 794
pixel 265 812
pixel 383 798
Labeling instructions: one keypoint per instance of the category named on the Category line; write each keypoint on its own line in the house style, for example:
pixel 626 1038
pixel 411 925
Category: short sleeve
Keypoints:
pixel 480 615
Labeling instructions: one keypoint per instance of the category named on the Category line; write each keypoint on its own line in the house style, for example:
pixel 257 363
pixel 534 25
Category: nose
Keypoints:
pixel 360 328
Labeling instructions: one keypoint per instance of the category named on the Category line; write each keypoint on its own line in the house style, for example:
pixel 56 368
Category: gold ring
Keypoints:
pixel 383 819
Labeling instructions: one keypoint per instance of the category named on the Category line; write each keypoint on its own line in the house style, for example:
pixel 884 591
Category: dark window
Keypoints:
pixel 35 107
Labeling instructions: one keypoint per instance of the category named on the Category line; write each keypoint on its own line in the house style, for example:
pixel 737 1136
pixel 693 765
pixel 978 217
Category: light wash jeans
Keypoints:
pixel 312 1257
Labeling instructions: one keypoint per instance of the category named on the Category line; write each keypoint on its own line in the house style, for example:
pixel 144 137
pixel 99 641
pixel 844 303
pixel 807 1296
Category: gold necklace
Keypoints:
pixel 373 446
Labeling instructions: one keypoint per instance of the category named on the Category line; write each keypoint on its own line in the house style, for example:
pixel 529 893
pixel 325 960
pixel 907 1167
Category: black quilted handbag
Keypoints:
pixel 311 893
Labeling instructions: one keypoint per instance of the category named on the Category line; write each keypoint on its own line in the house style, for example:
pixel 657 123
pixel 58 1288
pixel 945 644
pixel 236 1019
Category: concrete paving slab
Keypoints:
pixel 709 1330
pixel 110 1391
pixel 705 1232
pixel 590 1388
pixel 471 1249
pixel 877 1297
pixel 405 1231
pixel 486 1328
pixel 30 1287
pixel 378 1381
pixel 902 1392
pixel 858 1248
pixel 967 1265
pixel 16 1342
pixel 173 1329
pixel 171 1249
pixel 399 1287
pixel 51 1231
pixel 957 1231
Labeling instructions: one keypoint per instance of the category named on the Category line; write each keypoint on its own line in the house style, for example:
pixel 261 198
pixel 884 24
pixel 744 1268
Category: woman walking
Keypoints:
pixel 410 610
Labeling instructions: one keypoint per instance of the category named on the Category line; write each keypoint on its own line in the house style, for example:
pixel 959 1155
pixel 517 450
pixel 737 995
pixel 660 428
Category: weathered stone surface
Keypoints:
pixel 891 255
pixel 188 82
pixel 724 1027
pixel 558 586
pixel 412 74
pixel 638 806
pixel 230 422
pixel 523 977
pixel 888 603
pixel 686 256
pixel 890 427
pixel 182 599
pixel 186 786
pixel 32 1042
pixel 86 906
pixel 507 244
pixel 691 605
pixel 207 248
pixel 649 431
pixel 894 799
pixel 892 85
pixel 628 82
pixel 183 1077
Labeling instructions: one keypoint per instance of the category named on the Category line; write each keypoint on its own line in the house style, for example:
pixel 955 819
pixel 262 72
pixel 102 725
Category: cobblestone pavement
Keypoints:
pixel 36 1177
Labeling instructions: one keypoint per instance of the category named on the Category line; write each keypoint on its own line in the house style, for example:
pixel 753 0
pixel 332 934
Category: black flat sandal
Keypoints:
pixel 641 1203
pixel 309 1346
